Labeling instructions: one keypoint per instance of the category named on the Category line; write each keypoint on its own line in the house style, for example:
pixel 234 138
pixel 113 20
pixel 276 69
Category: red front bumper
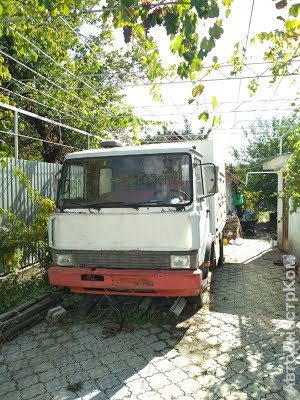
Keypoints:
pixel 166 283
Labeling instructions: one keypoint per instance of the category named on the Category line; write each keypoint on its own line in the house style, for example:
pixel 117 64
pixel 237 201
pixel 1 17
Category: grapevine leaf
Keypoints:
pixel 214 102
pixel 171 23
pixel 177 42
pixel 198 90
pixel 204 116
pixel 127 3
pixel 294 10
pixel 227 3
pixel 216 31
pixel 216 121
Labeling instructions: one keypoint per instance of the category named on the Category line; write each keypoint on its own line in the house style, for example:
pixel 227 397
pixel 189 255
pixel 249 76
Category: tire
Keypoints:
pixel 213 261
pixel 221 258
pixel 197 301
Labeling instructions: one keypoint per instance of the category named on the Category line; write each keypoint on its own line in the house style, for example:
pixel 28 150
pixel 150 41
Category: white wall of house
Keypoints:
pixel 279 211
pixel 294 234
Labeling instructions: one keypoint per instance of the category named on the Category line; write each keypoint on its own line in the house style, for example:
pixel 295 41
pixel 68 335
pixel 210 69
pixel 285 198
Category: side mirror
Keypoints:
pixel 211 173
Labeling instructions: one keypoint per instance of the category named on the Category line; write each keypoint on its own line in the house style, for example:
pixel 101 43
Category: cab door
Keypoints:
pixel 201 208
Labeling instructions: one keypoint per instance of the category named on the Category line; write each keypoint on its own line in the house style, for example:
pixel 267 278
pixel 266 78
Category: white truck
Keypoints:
pixel 144 220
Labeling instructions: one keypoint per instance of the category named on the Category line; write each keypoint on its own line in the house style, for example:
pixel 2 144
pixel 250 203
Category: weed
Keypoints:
pixel 75 387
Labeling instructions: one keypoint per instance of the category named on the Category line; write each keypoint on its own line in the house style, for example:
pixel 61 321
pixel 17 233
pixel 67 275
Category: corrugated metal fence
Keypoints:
pixel 13 194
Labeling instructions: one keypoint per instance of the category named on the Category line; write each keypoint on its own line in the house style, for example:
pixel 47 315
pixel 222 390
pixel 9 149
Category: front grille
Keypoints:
pixel 124 259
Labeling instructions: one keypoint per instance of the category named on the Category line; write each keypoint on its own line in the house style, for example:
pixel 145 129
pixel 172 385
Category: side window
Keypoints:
pixel 105 181
pixel 199 180
pixel 74 184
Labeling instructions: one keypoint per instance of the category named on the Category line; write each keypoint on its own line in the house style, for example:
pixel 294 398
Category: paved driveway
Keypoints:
pixel 236 347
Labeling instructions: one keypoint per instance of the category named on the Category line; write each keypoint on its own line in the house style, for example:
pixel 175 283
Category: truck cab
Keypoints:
pixel 143 220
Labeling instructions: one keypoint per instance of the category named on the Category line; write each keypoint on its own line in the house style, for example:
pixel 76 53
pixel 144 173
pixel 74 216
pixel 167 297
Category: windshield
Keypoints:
pixel 150 180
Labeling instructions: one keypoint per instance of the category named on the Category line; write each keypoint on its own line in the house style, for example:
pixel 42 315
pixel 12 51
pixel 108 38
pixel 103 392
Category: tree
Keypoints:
pixel 263 142
pixel 47 70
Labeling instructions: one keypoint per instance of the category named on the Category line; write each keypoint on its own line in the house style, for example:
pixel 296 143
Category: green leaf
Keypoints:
pixel 189 24
pixel 198 90
pixel 190 101
pixel 183 70
pixel 177 42
pixel 4 163
pixel 227 3
pixel 216 31
pixel 215 59
pixel 127 3
pixel 204 116
pixel 171 23
pixel 216 121
pixel 294 10
pixel 17 171
pixel 227 12
pixel 214 102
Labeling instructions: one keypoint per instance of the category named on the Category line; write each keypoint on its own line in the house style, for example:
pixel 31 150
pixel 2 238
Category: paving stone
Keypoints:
pixel 56 384
pixel 176 376
pixel 107 382
pixel 27 381
pixel 150 396
pixel 158 381
pixel 120 394
pixel 49 375
pixel 171 391
pixel 16 395
pixel 63 394
pixel 137 386
pixel 32 391
pixel 98 372
pixel 6 388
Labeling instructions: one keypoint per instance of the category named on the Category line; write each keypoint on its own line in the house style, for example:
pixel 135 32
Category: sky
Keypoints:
pixel 236 107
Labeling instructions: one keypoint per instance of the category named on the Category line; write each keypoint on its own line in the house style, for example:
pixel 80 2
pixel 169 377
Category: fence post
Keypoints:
pixel 16 134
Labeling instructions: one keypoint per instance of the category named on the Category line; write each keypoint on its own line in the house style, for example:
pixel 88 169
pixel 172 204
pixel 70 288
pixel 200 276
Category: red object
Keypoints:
pixel 165 283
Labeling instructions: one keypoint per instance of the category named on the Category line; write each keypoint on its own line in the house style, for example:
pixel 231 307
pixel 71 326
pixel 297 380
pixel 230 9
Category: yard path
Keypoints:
pixel 231 349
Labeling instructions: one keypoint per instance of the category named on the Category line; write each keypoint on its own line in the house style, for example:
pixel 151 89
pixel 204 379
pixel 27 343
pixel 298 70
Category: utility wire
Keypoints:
pixel 39 140
pixel 83 40
pixel 48 80
pixel 61 66
pixel 34 101
pixel 56 85
pixel 136 73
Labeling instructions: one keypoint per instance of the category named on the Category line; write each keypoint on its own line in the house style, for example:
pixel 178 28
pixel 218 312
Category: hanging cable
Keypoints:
pixel 40 140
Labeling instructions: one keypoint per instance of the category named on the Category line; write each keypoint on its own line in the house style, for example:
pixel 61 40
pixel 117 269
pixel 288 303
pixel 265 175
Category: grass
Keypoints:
pixel 14 292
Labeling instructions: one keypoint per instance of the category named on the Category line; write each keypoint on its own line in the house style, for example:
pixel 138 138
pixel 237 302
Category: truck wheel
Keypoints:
pixel 197 301
pixel 221 258
pixel 213 261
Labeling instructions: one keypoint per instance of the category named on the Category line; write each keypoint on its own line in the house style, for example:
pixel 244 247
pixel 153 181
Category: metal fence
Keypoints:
pixel 13 194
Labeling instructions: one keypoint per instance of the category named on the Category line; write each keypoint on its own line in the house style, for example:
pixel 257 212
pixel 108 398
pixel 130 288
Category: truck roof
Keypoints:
pixel 136 150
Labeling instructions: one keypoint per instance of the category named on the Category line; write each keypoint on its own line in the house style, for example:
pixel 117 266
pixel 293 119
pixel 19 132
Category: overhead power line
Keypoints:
pixel 48 80
pixel 30 114
pixel 83 40
pixel 61 66
pixel 39 140
pixel 32 100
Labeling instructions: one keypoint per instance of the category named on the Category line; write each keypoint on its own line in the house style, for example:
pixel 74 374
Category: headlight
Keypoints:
pixel 63 260
pixel 182 261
